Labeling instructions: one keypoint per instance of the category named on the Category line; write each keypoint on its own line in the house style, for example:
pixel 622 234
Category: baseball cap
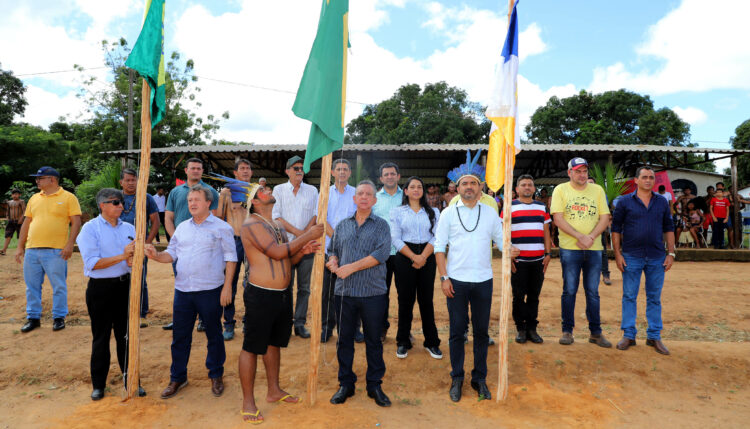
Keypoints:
pixel 293 160
pixel 576 163
pixel 46 171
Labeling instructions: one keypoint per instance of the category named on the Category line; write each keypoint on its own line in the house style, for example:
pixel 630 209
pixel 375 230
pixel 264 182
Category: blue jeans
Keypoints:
pixel 631 282
pixel 229 309
pixel 303 271
pixel 573 263
pixel 185 308
pixel 37 263
pixel 349 310
pixel 479 296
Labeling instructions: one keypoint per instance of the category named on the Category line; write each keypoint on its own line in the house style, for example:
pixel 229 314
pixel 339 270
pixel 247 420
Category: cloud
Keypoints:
pixel 691 115
pixel 46 107
pixel 699 48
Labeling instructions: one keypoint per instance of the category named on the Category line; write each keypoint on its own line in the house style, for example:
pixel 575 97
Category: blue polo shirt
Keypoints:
pixel 642 227
pixel 177 202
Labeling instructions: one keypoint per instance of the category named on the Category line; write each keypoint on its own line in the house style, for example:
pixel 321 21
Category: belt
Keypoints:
pixel 122 278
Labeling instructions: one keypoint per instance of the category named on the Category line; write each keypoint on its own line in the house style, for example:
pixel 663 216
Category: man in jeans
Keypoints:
pixel 581 213
pixel 642 223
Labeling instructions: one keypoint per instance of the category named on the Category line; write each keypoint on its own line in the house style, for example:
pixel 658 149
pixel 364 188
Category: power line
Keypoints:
pixel 60 71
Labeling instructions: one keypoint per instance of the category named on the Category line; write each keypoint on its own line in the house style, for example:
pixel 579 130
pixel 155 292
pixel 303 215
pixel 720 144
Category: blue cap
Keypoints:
pixel 576 163
pixel 46 171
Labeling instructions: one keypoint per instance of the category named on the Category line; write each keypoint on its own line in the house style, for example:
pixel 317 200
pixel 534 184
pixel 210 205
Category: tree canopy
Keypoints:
pixel 12 97
pixel 741 140
pixel 436 114
pixel 612 117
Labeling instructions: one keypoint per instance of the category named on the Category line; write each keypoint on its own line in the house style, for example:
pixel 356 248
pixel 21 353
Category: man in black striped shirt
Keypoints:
pixel 357 253
pixel 530 233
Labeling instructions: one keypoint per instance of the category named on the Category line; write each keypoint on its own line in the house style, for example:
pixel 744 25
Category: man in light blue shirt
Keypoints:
pixel 466 277
pixel 340 206
pixel 389 197
pixel 204 249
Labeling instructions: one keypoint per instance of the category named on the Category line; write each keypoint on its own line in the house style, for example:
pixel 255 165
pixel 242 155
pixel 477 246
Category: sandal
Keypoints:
pixel 288 396
pixel 258 418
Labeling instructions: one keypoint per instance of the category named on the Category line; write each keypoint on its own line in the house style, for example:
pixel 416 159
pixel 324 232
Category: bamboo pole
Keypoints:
pixel 316 284
pixel 134 308
pixel 505 294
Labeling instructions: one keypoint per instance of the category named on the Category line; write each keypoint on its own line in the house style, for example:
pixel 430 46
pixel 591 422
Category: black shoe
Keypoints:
pixel 97 394
pixel 141 392
pixel 359 337
pixel 435 352
pixel 402 352
pixel 379 396
pixel 30 325
pixel 342 395
pixel 534 337
pixel 168 326
pixel 59 324
pixel 482 389
pixel 491 341
pixel 201 326
pixel 521 336
pixel 456 385
pixel 301 332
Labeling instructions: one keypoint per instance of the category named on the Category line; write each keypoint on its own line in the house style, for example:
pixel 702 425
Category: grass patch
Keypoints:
pixel 408 401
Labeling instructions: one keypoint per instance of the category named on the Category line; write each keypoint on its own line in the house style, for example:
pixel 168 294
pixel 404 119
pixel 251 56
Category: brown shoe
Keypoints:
pixel 217 386
pixel 600 341
pixel 658 346
pixel 566 339
pixel 172 389
pixel 625 343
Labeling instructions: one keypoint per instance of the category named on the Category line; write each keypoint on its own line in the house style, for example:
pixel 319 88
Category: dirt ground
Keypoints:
pixel 44 375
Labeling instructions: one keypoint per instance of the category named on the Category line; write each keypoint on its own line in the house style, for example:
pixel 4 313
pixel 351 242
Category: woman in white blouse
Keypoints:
pixel 412 234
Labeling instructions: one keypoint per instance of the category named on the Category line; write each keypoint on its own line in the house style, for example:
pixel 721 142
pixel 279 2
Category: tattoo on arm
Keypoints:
pixel 273 273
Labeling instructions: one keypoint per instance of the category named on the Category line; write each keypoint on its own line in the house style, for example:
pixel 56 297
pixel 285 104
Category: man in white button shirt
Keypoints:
pixel 466 274
pixel 203 247
pixel 296 210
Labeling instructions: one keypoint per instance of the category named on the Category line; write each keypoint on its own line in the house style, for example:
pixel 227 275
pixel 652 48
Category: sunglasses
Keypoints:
pixel 297 168
pixel 113 202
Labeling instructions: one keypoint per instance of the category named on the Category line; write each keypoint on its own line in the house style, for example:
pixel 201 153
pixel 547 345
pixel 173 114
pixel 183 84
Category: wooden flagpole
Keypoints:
pixel 316 284
pixel 505 293
pixel 134 308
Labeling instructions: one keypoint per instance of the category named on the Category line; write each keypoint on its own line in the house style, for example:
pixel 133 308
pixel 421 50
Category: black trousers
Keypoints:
pixel 328 313
pixel 526 283
pixel 415 285
pixel 389 264
pixel 107 303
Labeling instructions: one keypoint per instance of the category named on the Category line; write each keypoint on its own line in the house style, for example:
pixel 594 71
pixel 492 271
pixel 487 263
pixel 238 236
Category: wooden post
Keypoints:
pixel 316 284
pixel 736 219
pixel 505 293
pixel 134 307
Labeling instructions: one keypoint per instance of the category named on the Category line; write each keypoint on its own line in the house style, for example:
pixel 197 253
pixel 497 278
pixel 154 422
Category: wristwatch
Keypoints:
pixel 672 254
pixel 443 278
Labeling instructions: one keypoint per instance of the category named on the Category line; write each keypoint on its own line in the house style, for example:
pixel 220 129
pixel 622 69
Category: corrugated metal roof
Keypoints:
pixel 434 147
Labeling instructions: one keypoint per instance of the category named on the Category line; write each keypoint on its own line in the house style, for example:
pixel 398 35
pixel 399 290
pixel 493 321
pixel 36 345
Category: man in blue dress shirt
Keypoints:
pixel 203 247
pixel 642 223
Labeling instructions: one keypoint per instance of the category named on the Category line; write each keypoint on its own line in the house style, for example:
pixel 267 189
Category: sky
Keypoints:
pixel 692 56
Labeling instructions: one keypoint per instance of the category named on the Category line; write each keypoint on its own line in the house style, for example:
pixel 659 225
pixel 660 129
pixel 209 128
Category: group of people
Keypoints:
pixel 371 237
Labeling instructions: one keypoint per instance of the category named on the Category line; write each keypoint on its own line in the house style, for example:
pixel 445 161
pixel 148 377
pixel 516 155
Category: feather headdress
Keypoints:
pixel 242 192
pixel 470 168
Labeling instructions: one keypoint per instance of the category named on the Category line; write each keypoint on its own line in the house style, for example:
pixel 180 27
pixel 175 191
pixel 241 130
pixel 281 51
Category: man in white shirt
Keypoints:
pixel 296 210
pixel 161 203
pixel 203 247
pixel 466 274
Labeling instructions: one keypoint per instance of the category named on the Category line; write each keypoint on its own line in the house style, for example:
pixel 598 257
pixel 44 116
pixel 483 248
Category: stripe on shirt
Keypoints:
pixel 527 228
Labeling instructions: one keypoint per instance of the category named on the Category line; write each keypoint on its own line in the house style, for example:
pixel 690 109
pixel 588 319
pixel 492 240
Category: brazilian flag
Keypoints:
pixel 147 57
pixel 321 97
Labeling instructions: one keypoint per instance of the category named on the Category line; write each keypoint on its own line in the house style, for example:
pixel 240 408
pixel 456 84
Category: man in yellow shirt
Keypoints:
pixel 45 246
pixel 581 213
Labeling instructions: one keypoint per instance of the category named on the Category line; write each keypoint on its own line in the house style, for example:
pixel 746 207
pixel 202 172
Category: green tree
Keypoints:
pixel 12 97
pixel 108 105
pixel 741 140
pixel 612 117
pixel 437 114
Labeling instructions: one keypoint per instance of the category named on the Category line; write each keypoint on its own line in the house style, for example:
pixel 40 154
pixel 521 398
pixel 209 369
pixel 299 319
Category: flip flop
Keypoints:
pixel 284 400
pixel 258 418
pixel 2 252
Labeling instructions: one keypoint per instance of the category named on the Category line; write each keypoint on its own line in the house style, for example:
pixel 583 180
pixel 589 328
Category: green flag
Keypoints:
pixel 147 57
pixel 321 97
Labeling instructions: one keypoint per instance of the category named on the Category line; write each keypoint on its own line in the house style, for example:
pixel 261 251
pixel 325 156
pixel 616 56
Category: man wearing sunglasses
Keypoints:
pixel 296 210
pixel 45 246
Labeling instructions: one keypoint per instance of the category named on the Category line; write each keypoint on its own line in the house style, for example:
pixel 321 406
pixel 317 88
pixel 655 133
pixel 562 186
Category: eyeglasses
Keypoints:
pixel 113 202
pixel 297 168
pixel 38 178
